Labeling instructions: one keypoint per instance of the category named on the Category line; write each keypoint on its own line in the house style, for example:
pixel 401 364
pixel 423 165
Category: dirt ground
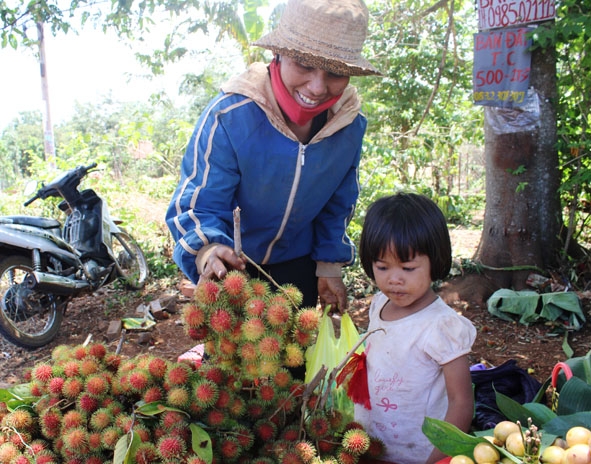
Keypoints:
pixel 536 348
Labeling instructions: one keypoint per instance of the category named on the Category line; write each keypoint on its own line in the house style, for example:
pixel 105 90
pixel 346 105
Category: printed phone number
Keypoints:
pixel 492 14
pixel 502 95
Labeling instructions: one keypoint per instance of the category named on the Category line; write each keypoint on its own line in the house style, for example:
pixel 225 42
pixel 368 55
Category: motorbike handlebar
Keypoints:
pixel 51 190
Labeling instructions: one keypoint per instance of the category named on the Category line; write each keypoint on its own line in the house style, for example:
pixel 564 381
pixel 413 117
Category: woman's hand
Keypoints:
pixel 332 291
pixel 217 259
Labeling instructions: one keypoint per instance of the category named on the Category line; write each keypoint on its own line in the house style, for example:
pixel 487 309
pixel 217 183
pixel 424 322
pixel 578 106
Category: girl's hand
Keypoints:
pixel 332 291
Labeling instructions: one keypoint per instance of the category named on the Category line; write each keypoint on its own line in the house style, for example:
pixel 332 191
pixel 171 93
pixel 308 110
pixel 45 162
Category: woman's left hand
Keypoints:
pixel 332 291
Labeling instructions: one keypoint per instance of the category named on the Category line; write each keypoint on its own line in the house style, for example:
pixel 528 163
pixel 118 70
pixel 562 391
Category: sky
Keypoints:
pixel 83 68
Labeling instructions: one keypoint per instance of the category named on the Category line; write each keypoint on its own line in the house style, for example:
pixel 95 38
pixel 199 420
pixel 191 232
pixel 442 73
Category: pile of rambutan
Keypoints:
pixel 242 404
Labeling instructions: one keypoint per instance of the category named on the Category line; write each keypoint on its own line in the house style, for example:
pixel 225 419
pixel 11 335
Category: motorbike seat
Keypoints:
pixel 34 221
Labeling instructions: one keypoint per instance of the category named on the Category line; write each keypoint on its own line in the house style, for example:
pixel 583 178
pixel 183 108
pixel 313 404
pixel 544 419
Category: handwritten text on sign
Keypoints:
pixel 501 67
pixel 503 13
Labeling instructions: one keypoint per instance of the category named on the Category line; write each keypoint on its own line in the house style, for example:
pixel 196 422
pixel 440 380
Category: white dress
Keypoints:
pixel 405 375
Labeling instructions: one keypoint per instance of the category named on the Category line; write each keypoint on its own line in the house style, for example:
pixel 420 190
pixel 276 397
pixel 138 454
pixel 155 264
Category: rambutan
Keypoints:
pixel 37 388
pixel 308 319
pixel 268 367
pixel 112 361
pixel 244 436
pixel 237 406
pixel 221 320
pixel 336 419
pixel 73 419
pixel 87 403
pixel 145 453
pixel 178 374
pixel 139 380
pixel 229 448
pixel 199 334
pixel 89 366
pixel 178 397
pixel 205 392
pixel 259 288
pixel 8 452
pixel 306 451
pixel 293 293
pixel 253 328
pixel 124 421
pixel 278 315
pixel 207 292
pixel 282 378
pixel 290 433
pixel 20 419
pixel 153 394
pixel 318 425
pixel 42 372
pixel 171 448
pixel 255 307
pixel 248 351
pixel 266 393
pixel 269 346
pixel 224 399
pixel 226 348
pixel 376 449
pixel 356 441
pixel 171 419
pixel 76 440
pixel 294 355
pixel 286 402
pixel 215 418
pixel 326 447
pixel 235 283
pixel 50 421
pixel 101 419
pixel 193 316
pixel 265 430
pixel 290 456
pixel 345 457
pixel 157 367
pixel 213 373
pixel 55 385
pixel 303 338
pixel 98 350
pixel 110 436
pixel 95 442
pixel 71 368
pixel 97 385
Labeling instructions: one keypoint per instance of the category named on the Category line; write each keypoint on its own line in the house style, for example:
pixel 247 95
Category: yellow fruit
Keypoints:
pixel 577 435
pixel 577 454
pixel 503 429
pixel 461 459
pixel 506 460
pixel 514 444
pixel 485 453
pixel 552 455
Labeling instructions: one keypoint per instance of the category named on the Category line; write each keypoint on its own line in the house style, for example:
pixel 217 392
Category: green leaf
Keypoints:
pixel 504 302
pixel 154 408
pixel 124 448
pixel 560 424
pixel 514 411
pixel 448 439
pixel 575 396
pixel 201 443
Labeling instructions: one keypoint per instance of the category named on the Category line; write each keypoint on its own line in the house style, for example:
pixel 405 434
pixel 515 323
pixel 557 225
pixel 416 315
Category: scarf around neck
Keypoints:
pixel 292 109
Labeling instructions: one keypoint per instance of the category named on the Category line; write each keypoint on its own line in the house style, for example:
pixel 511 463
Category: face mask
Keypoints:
pixel 292 109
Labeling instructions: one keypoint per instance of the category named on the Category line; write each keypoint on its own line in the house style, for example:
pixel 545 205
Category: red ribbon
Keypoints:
pixel 353 377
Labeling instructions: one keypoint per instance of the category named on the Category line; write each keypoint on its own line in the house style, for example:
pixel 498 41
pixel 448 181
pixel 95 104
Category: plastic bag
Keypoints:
pixel 331 351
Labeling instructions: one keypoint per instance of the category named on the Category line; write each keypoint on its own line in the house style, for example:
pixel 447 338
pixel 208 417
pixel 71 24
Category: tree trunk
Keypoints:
pixel 522 218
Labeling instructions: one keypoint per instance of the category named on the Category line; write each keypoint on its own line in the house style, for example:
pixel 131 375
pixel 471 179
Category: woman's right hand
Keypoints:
pixel 215 261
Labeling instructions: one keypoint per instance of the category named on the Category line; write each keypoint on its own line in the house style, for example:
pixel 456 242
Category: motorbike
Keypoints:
pixel 43 265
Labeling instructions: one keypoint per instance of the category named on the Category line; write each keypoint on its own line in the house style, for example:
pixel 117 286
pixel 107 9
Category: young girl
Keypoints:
pixel 417 366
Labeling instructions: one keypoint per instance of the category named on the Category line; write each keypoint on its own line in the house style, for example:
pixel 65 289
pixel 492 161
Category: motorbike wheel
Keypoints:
pixel 132 265
pixel 28 319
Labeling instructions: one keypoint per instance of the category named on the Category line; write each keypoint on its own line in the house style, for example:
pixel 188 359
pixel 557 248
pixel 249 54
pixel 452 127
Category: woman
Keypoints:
pixel 281 142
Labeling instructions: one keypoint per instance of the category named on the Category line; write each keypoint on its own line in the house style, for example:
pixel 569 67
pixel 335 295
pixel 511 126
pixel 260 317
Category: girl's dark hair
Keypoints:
pixel 406 224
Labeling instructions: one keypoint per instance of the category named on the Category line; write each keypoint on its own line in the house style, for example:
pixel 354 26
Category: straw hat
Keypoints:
pixel 325 34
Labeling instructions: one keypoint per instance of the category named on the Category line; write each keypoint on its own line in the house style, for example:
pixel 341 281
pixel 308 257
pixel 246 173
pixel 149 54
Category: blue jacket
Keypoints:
pixel 294 199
